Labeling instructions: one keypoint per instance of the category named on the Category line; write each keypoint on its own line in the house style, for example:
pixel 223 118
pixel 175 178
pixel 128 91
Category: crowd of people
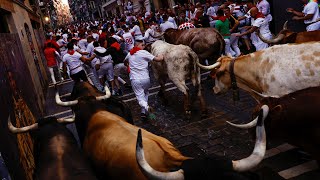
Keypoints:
pixel 104 50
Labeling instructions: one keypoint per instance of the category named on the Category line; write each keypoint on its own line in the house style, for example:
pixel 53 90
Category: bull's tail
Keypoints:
pixel 195 71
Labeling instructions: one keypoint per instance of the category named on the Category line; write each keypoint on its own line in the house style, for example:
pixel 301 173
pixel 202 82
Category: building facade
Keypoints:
pixel 23 81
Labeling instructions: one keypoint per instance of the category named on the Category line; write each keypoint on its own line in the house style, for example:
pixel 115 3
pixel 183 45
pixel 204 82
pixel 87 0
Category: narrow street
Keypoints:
pixel 197 137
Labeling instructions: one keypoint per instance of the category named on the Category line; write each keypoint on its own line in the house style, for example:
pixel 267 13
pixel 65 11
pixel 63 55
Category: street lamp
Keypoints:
pixel 46 19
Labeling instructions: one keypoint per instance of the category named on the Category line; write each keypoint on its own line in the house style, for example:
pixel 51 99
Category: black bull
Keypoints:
pixel 294 118
pixel 56 153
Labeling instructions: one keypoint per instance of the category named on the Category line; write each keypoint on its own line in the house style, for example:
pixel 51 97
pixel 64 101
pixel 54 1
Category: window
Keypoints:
pixel 4 28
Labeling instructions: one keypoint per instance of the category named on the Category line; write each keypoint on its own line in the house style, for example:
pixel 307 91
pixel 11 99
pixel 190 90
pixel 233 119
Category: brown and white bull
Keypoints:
pixel 287 36
pixel 207 43
pixel 293 118
pixel 272 72
pixel 179 64
pixel 110 142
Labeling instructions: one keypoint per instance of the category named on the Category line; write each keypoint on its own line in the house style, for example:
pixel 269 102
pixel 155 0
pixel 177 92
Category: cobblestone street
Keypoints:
pixel 196 137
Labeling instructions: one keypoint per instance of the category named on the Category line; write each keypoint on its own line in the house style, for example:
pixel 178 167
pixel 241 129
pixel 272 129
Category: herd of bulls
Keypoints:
pixel 284 79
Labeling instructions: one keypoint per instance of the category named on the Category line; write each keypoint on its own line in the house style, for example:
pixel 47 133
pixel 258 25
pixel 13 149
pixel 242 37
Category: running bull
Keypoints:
pixel 272 72
pixel 207 43
pixel 287 36
pixel 56 152
pixel 110 143
pixel 293 118
pixel 179 64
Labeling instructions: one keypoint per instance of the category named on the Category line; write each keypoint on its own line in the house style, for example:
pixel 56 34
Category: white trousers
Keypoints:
pixel 314 26
pixel 234 45
pixel 141 90
pixel 53 79
pixel 227 49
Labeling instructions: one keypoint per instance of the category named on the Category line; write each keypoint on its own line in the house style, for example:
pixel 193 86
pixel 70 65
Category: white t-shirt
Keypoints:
pixel 128 39
pixel 95 36
pixel 103 59
pixel 73 61
pixel 148 36
pixel 211 11
pixel 137 32
pixel 171 19
pixel 83 44
pixel 65 37
pixel 311 8
pixel 166 25
pixel 61 42
pixel 138 63
pixel 90 48
pixel 263 26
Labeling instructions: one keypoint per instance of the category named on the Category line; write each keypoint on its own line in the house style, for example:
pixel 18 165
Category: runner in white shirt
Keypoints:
pixel 310 15
pixel 128 39
pixel 104 65
pixel 74 60
pixel 260 22
pixel 166 25
pixel 148 35
pixel 136 32
pixel 82 43
pixel 139 74
pixel 92 73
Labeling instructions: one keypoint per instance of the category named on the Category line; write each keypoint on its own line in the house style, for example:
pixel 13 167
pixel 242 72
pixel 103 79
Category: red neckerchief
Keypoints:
pixel 71 52
pixel 116 45
pixel 134 50
pixel 259 15
pixel 222 18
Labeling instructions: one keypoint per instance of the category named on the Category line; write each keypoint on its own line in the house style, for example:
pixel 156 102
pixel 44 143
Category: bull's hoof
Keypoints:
pixel 188 112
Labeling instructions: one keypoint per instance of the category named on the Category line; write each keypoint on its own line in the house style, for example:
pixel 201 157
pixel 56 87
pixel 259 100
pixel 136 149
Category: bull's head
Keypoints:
pixel 284 36
pixel 220 70
pixel 239 165
pixel 84 93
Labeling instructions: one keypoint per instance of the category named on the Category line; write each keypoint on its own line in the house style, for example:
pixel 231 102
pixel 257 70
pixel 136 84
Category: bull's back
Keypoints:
pixel 288 68
pixel 308 36
pixel 111 143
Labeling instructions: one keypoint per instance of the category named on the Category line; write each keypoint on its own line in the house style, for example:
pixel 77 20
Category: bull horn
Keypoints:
pixel 147 170
pixel 260 146
pixel 215 65
pixel 61 103
pixel 106 96
pixel 249 125
pixel 271 41
pixel 66 120
pixel 285 25
pixel 15 130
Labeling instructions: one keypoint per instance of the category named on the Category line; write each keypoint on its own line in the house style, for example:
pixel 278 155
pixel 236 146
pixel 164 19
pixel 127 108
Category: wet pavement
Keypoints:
pixel 196 137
